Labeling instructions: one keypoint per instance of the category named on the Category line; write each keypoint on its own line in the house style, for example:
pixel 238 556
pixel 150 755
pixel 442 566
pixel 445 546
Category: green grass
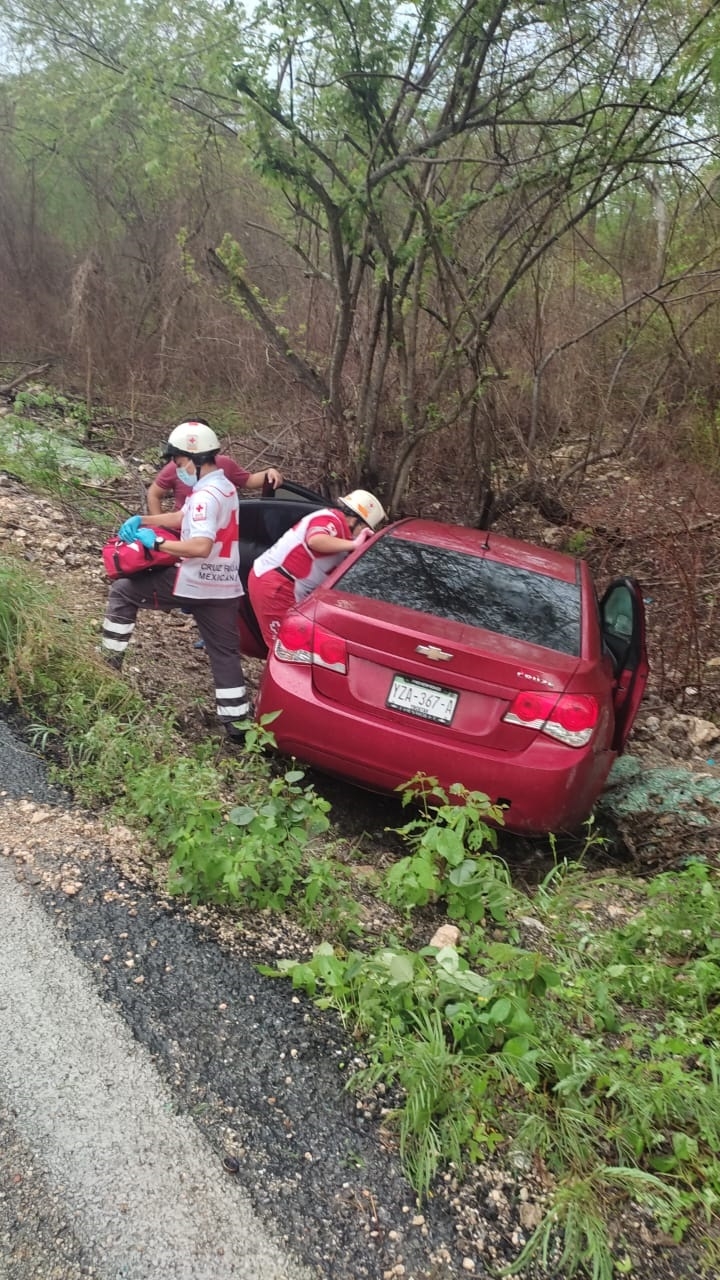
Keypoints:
pixel 45 455
pixel 99 729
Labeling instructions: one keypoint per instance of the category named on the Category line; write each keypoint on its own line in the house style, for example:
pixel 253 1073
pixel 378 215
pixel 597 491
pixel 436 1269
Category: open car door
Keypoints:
pixel 262 521
pixel 622 620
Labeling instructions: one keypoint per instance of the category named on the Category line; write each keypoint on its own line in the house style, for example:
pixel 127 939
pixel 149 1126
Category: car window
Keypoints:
pixel 618 614
pixel 621 622
pixel 289 489
pixel 471 589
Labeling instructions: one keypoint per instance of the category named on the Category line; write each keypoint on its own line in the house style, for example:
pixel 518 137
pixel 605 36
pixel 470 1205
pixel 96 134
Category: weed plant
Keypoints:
pixel 49 407
pixel 100 731
pixel 261 854
pixel 453 854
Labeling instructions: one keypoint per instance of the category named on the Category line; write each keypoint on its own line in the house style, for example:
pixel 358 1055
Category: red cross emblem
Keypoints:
pixel 227 536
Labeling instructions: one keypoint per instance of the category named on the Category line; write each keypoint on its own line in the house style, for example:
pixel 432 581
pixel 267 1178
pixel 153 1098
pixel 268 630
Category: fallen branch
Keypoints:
pixel 8 388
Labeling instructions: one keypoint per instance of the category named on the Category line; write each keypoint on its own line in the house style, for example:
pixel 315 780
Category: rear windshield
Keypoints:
pixel 481 592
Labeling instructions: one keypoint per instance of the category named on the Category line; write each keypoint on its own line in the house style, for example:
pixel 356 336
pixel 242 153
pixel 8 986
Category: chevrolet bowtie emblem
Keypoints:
pixel 431 651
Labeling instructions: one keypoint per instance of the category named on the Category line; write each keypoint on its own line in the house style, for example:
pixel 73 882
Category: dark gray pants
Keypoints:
pixel 217 622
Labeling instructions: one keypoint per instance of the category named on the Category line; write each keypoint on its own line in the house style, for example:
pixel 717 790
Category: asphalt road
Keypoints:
pixel 146 1197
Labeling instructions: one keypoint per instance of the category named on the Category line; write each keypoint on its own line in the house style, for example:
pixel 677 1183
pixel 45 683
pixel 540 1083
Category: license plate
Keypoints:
pixel 426 700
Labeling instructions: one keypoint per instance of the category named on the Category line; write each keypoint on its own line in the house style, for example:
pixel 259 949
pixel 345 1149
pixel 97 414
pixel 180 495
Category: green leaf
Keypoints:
pixel 500 1010
pixel 516 1047
pixel 242 815
pixel 402 970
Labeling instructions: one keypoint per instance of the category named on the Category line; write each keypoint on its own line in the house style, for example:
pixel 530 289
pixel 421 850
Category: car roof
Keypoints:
pixel 495 546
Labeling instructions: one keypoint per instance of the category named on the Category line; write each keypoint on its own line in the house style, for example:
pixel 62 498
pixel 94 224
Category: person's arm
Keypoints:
pixel 256 479
pixel 196 548
pixel 189 548
pixel 169 519
pixel 325 544
pixel 155 497
pixel 142 528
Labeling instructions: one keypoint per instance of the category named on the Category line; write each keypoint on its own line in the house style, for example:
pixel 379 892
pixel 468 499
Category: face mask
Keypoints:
pixel 187 477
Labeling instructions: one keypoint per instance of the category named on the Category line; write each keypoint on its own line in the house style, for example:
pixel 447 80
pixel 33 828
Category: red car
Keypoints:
pixel 471 657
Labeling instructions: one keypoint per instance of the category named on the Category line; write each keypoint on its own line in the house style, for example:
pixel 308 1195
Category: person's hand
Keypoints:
pixel 147 537
pixel 271 481
pixel 128 531
pixel 363 535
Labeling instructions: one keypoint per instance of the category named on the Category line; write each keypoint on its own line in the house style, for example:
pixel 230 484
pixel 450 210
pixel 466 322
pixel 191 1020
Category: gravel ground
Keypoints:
pixel 38 1237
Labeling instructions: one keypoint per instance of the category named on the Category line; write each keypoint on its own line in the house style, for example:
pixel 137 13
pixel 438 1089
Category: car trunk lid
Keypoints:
pixel 446 675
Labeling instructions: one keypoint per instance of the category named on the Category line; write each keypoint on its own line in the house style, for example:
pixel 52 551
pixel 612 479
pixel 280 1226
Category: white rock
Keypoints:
pixel 701 732
pixel 448 935
pixel 530 1215
pixel 532 925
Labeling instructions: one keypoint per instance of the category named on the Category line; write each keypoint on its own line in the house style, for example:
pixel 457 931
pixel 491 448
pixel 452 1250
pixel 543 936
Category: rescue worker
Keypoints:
pixel 178 482
pixel 205 581
pixel 300 560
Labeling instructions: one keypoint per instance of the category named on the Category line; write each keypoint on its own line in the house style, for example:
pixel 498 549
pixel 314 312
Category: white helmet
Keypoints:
pixel 192 437
pixel 366 506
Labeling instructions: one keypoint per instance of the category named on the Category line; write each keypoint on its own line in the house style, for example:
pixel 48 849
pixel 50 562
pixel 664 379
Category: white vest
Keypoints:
pixel 211 511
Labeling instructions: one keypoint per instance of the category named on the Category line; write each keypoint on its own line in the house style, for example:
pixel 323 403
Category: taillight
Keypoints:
pixel 300 640
pixel 294 642
pixel 329 650
pixel 571 717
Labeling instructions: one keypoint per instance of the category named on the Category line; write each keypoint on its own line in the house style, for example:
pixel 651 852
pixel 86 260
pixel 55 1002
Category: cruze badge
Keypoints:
pixel 527 675
pixel 431 651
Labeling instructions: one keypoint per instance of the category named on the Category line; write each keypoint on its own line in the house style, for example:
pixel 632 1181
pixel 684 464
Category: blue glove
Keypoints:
pixel 147 537
pixel 129 530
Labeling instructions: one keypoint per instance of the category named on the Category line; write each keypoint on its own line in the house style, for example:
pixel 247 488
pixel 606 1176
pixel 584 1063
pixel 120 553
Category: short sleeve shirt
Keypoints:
pixel 167 479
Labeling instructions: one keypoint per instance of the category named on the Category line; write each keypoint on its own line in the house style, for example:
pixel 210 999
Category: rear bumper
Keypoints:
pixel 548 787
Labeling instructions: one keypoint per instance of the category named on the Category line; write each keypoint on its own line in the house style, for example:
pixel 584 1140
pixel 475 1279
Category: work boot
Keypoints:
pixel 114 660
pixel 236 729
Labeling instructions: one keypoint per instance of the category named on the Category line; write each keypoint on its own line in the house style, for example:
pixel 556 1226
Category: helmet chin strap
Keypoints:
pixel 192 457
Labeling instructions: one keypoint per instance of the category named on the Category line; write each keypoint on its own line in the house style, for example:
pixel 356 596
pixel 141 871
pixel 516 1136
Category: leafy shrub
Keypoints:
pixel 255 853
pixel 453 854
